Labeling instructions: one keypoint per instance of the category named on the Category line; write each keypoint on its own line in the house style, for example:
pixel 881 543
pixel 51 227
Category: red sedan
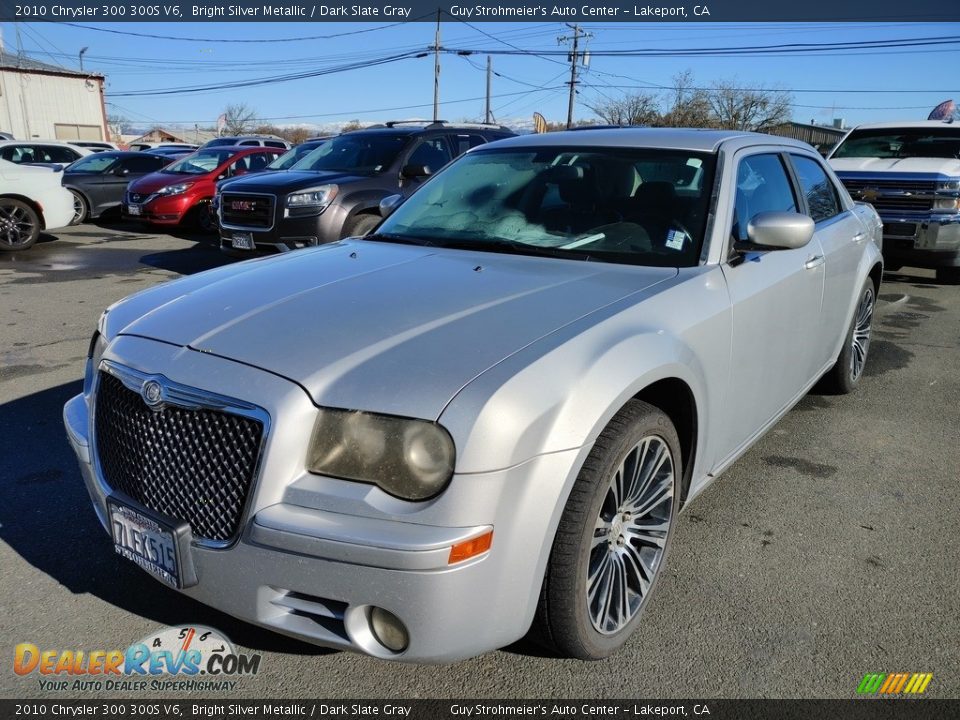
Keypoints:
pixel 182 191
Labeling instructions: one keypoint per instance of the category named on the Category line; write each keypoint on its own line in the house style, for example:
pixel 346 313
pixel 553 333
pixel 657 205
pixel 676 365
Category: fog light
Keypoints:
pixel 388 630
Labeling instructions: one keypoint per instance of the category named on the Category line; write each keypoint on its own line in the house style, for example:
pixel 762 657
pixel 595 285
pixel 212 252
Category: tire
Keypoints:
pixel 19 225
pixel 948 275
pixel 202 219
pixel 846 373
pixel 598 544
pixel 892 268
pixel 80 208
pixel 359 225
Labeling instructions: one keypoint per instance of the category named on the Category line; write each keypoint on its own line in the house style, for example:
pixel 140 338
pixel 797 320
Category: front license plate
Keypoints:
pixel 242 241
pixel 149 543
pixel 133 209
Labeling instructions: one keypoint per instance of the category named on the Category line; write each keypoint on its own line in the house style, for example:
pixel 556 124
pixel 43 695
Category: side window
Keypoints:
pixel 762 186
pixel 274 144
pixel 57 154
pixel 822 200
pixel 147 163
pixel 465 141
pixel 249 142
pixel 238 166
pixel 432 152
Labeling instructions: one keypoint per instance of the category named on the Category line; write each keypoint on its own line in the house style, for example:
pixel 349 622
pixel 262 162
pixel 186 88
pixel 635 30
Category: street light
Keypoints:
pixel 82 51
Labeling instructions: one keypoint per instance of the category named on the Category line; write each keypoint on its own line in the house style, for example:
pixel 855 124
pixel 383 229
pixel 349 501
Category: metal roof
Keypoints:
pixel 22 62
pixel 908 124
pixel 667 138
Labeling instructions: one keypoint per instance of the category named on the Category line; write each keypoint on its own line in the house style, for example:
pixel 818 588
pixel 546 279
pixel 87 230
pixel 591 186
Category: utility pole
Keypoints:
pixel 575 56
pixel 82 51
pixel 488 115
pixel 436 71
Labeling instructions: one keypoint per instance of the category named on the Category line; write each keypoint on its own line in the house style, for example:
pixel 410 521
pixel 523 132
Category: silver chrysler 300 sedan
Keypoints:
pixel 481 420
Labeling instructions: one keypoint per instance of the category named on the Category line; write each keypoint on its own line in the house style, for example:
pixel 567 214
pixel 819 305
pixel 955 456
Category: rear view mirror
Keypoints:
pixel 416 171
pixel 389 204
pixel 778 231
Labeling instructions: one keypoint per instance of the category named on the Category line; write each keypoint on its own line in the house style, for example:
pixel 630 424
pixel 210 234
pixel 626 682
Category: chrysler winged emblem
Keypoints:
pixel 152 393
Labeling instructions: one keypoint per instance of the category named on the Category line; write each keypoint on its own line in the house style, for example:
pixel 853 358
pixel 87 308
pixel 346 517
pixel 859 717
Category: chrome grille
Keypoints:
pixel 893 195
pixel 194 465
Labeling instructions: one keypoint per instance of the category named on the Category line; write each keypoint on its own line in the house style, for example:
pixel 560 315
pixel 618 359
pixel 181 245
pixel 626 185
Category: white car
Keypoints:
pixel 31 199
pixel 41 152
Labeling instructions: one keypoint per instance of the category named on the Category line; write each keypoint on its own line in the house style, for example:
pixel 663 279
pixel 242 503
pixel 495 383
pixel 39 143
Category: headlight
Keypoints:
pixel 174 189
pixel 949 185
pixel 411 459
pixel 98 343
pixel 315 197
pixel 945 204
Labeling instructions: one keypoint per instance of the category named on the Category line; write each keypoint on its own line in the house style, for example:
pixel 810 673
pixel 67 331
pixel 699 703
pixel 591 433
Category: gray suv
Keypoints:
pixel 335 190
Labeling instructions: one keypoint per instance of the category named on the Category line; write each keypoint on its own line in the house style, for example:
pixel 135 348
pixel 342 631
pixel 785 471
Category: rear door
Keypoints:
pixel 776 300
pixel 841 237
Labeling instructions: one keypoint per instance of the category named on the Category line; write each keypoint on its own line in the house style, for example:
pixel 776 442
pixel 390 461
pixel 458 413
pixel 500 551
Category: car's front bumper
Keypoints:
pixel 287 233
pixel 315 554
pixel 164 210
pixel 929 241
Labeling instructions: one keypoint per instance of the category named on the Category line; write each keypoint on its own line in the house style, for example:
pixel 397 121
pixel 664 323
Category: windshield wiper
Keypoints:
pixel 399 239
pixel 515 248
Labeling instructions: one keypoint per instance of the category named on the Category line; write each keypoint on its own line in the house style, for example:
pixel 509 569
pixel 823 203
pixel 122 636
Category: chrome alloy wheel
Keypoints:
pixel 16 225
pixel 861 335
pixel 79 208
pixel 630 535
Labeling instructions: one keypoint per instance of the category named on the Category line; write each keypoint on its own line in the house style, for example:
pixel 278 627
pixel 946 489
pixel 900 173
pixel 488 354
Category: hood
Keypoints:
pixel 12 171
pixel 940 166
pixel 286 180
pixel 373 326
pixel 156 180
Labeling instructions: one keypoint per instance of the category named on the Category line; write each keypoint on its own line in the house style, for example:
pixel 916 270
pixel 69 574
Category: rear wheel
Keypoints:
pixel 845 375
pixel 19 225
pixel 80 209
pixel 948 275
pixel 613 536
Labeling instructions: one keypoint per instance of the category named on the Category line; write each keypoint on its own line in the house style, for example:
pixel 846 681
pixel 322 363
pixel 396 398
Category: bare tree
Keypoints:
pixel 351 126
pixel 240 119
pixel 634 109
pixel 745 109
pixel 690 105
pixel 117 125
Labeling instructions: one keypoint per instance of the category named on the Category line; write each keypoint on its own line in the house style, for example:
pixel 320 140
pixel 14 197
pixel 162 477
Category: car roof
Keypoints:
pixel 909 124
pixel 702 140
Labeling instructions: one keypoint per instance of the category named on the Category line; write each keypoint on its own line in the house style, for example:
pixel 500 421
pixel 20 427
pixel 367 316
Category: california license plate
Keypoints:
pixel 133 209
pixel 242 241
pixel 146 541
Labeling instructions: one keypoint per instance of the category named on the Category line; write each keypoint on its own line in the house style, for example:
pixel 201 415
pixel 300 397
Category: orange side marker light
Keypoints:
pixel 470 548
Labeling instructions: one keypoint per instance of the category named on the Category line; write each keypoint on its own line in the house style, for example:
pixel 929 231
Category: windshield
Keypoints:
pixel 641 207
pixel 93 163
pixel 905 143
pixel 355 152
pixel 291 157
pixel 200 162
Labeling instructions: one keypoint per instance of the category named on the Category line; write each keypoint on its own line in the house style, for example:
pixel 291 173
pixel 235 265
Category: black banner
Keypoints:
pixel 865 709
pixel 390 11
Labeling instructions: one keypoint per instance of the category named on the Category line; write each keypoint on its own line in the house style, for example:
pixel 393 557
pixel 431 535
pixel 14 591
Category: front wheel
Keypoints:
pixel 80 210
pixel 360 225
pixel 845 375
pixel 613 536
pixel 19 225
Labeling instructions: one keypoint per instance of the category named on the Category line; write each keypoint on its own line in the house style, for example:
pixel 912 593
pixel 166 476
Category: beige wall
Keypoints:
pixel 33 105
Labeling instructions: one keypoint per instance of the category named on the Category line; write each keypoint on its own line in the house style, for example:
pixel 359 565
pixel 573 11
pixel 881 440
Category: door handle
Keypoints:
pixel 815 261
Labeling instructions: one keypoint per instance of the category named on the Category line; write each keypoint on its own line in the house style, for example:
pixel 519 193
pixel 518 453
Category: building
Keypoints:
pixel 822 137
pixel 165 135
pixel 39 100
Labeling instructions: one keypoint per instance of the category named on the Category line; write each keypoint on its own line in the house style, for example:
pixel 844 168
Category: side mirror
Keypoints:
pixel 221 176
pixel 389 204
pixel 121 172
pixel 416 171
pixel 778 231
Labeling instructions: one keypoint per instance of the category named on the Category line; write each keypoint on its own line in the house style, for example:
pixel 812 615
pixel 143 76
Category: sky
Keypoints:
pixel 909 81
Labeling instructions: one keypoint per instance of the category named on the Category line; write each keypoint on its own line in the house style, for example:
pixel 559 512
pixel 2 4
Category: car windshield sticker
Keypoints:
pixel 675 239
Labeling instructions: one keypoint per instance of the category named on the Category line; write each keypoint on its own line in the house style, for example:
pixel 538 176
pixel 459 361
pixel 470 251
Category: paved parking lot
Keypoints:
pixel 831 550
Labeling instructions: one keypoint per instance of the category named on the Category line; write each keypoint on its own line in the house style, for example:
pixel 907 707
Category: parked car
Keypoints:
pixel 95 145
pixel 141 146
pixel 910 172
pixel 173 152
pixel 335 191
pixel 31 200
pixel 98 182
pixel 6 136
pixel 50 153
pixel 248 141
pixel 182 190
pixel 486 415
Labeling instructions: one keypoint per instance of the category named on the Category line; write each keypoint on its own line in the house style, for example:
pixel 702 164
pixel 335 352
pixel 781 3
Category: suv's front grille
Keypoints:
pixel 246 210
pixel 195 465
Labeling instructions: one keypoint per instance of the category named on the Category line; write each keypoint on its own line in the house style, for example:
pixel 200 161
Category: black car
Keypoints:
pixel 335 191
pixel 98 181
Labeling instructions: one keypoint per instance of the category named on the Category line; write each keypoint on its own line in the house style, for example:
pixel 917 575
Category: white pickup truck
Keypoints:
pixel 31 199
pixel 909 172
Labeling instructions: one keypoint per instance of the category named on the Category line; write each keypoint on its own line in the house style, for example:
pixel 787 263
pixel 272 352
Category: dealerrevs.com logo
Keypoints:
pixel 188 658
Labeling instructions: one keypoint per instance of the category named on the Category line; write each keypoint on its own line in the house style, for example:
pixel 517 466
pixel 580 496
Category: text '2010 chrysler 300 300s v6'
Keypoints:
pixel 482 420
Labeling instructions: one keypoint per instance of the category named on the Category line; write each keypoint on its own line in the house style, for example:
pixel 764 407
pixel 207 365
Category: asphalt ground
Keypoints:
pixel 830 550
